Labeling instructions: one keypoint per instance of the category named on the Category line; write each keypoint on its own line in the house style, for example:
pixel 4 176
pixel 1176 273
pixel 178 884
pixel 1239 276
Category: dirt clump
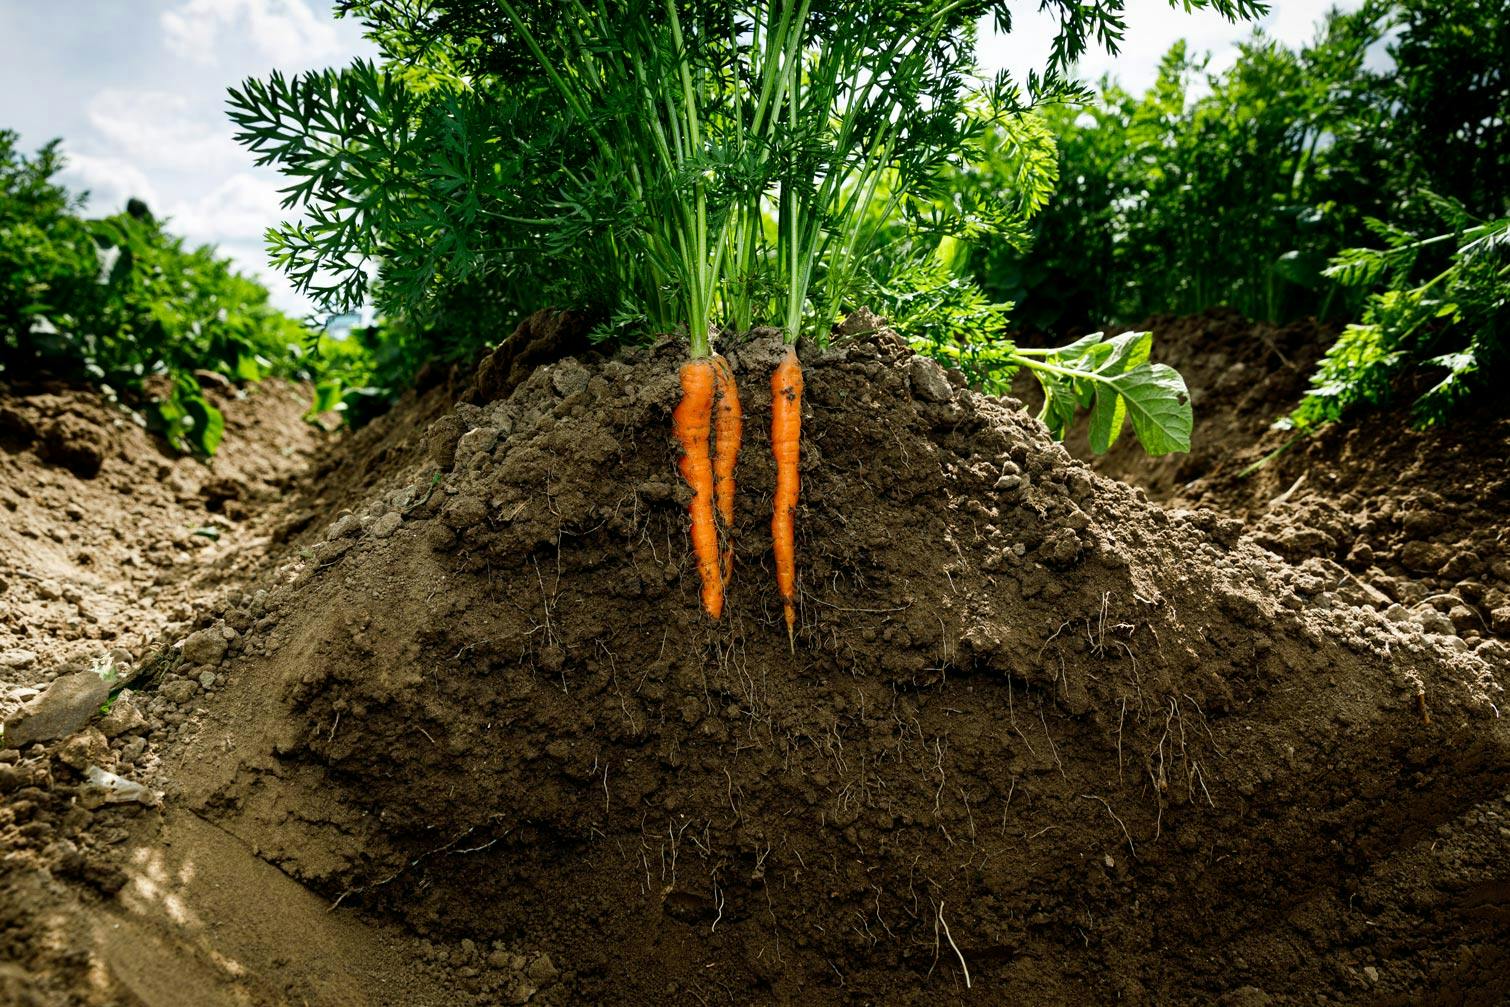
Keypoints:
pixel 1039 739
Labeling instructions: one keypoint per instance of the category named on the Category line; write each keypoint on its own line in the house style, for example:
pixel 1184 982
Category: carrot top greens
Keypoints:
pixel 672 165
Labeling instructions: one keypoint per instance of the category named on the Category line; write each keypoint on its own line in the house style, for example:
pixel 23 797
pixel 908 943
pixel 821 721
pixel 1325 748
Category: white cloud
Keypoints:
pixel 165 129
pixel 285 30
pixel 109 181
pixel 1152 27
pixel 234 217
pixel 239 209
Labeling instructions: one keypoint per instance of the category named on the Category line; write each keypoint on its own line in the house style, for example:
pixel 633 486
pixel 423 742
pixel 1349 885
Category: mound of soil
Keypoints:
pixel 1039 740
pixel 1419 516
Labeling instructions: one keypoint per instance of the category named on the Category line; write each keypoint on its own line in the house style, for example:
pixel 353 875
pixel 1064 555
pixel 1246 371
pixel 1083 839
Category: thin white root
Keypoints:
pixel 955 946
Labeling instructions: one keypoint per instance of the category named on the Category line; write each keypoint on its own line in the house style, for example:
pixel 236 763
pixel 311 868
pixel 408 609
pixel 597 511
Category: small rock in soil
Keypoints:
pixel 18 659
pixel 1423 557
pixel 1434 622
pixel 207 646
pixel 65 707
pixel 179 691
pixel 88 747
pixel 464 512
pixel 387 524
pixel 345 526
pixel 568 377
pixel 928 380
pixel 124 717
pixel 542 970
pixel 1463 618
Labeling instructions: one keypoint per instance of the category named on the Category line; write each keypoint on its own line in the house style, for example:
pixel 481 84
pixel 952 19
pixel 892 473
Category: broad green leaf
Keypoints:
pixel 1059 402
pixel 1127 351
pixel 327 396
pixel 209 425
pixel 1159 406
pixel 247 368
pixel 1077 349
pixel 1108 417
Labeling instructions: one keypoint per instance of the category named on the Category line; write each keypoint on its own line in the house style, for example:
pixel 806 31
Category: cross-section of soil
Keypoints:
pixel 1033 728
pixel 1038 740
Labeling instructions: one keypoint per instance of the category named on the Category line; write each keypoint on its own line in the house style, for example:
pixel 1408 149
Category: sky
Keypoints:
pixel 136 90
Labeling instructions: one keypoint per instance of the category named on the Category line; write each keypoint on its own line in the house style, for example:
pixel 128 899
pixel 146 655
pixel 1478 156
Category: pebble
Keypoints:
pixel 387 524
pixel 569 377
pixel 928 380
pixel 124 717
pixel 18 659
pixel 344 526
pixel 542 970
pixel 207 646
pixel 475 442
pixel 207 679
pixel 66 706
pixel 179 691
pixel 87 748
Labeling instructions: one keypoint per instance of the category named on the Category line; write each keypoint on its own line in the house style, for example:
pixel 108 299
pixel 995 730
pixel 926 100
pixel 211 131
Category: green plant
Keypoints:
pixel 1457 320
pixel 120 302
pixel 946 316
pixel 674 165
pixel 1178 200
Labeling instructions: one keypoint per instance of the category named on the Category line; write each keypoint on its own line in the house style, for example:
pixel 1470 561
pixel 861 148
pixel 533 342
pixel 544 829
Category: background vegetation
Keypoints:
pixel 1243 188
pixel 118 301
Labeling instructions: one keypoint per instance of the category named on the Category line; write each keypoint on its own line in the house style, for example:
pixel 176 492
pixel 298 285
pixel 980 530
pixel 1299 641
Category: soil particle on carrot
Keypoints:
pixel 786 446
pixel 692 423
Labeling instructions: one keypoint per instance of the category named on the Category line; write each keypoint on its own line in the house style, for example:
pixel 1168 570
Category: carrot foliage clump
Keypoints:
pixel 670 165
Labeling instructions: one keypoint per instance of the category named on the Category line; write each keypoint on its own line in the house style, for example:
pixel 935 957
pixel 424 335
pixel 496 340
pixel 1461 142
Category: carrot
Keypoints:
pixel 786 445
pixel 728 428
pixel 691 422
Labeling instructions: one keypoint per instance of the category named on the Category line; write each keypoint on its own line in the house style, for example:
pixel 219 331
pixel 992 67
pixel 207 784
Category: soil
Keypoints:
pixel 1419 516
pixel 1039 740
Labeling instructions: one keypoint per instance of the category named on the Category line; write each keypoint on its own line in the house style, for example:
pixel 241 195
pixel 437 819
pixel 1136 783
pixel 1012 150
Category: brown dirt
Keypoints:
pixel 109 539
pixel 1419 516
pixel 1034 726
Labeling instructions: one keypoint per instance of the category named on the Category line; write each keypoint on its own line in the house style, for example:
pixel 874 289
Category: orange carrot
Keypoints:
pixel 786 445
pixel 728 428
pixel 691 422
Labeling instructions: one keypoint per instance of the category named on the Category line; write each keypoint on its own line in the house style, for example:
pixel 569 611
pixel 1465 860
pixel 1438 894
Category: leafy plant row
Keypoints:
pixel 118 301
pixel 1364 178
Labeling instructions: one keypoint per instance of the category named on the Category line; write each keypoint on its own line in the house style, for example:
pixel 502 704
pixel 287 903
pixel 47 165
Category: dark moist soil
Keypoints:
pixel 1033 727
